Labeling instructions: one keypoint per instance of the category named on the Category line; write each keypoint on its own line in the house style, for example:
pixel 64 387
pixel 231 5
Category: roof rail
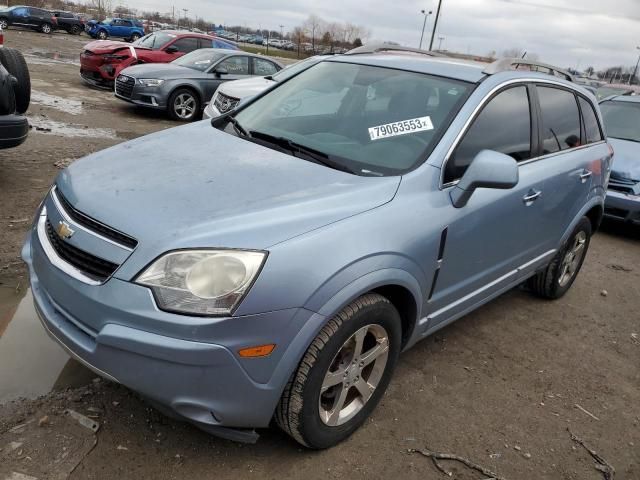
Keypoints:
pixel 384 47
pixel 505 64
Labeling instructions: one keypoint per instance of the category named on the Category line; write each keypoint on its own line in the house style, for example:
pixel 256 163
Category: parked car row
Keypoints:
pixel 45 21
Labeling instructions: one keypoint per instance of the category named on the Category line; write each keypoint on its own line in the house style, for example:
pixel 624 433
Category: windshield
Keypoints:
pixel 200 60
pixel 367 120
pixel 154 41
pixel 622 120
pixel 294 68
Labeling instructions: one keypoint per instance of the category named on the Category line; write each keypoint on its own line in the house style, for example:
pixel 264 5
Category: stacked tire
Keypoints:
pixel 20 95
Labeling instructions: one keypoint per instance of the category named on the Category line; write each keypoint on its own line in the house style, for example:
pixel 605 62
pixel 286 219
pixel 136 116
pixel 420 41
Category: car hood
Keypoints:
pixel 626 160
pixel 100 47
pixel 165 71
pixel 195 186
pixel 246 87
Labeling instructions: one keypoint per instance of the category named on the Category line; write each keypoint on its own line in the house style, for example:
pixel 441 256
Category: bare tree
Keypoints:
pixel 102 7
pixel 314 24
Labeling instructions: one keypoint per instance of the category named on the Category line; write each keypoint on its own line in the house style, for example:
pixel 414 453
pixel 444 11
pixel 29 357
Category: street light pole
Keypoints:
pixel 435 25
pixel 426 16
pixel 440 38
pixel 635 70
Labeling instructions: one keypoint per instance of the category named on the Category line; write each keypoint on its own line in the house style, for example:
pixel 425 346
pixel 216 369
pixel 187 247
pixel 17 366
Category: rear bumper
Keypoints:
pixel 622 206
pixel 13 130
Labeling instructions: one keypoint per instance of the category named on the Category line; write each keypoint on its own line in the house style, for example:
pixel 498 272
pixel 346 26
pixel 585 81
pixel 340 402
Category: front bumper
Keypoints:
pixel 13 130
pixel 134 92
pixel 200 381
pixel 622 206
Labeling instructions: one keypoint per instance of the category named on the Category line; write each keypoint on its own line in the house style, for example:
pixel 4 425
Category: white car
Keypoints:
pixel 229 94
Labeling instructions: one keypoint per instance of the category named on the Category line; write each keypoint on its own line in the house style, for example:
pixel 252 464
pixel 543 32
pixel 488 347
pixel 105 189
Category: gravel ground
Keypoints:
pixel 501 386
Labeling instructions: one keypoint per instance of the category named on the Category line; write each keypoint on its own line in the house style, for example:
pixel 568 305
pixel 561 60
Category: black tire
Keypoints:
pixel 46 28
pixel 4 23
pixel 175 113
pixel 102 35
pixel 547 284
pixel 134 37
pixel 298 411
pixel 75 30
pixel 15 63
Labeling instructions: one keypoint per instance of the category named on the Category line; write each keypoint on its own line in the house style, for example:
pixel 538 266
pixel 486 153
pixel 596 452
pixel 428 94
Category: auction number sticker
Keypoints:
pixel 400 128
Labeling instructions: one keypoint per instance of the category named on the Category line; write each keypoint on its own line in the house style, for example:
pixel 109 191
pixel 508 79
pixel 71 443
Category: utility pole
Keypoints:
pixel 186 23
pixel 440 38
pixel 281 32
pixel 635 70
pixel 426 16
pixel 435 25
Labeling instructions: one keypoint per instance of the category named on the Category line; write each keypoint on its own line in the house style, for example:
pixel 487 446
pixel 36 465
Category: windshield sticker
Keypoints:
pixel 400 128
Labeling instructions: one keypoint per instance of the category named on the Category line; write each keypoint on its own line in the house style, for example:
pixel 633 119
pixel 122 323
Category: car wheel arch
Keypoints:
pixel 187 86
pixel 593 210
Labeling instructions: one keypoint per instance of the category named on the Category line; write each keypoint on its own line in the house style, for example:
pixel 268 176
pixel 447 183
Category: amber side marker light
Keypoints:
pixel 259 351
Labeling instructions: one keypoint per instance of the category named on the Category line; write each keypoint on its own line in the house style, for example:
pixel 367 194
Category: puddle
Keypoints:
pixel 51 127
pixel 39 57
pixel 31 364
pixel 66 105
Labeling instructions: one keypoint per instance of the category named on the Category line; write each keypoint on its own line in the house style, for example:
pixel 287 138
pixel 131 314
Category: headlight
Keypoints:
pixel 202 282
pixel 151 82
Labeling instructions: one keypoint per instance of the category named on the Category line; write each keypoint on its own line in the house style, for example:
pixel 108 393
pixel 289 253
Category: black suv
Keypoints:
pixel 28 17
pixel 15 94
pixel 69 22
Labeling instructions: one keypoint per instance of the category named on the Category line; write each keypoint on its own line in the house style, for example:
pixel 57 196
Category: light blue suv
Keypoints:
pixel 273 263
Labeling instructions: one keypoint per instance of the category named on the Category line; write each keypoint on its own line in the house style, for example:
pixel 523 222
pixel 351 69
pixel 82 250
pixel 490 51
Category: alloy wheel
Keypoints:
pixel 184 106
pixel 572 259
pixel 46 28
pixel 353 375
pixel 4 24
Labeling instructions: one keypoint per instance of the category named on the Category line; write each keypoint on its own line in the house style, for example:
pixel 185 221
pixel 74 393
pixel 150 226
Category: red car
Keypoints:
pixel 102 60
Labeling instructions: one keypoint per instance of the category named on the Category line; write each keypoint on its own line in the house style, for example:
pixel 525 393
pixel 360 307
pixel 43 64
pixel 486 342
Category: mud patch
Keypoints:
pixel 41 57
pixel 66 105
pixel 51 127
pixel 31 363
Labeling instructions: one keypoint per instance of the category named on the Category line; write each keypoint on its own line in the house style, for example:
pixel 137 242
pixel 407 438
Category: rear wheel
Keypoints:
pixel 102 35
pixel 16 65
pixel 4 23
pixel 557 278
pixel 75 30
pixel 343 374
pixel 46 28
pixel 135 37
pixel 184 105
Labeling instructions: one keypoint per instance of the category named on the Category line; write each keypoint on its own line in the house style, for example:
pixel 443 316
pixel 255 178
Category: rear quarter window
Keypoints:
pixel 560 119
pixel 592 130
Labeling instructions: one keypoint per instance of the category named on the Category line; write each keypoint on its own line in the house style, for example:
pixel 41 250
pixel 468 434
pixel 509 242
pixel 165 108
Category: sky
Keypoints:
pixel 567 33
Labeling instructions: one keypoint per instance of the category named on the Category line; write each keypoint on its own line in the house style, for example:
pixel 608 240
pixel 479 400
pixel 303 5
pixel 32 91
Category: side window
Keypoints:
pixel 263 67
pixel 204 43
pixel 560 120
pixel 591 124
pixel 186 45
pixel 237 65
pixel 504 125
pixel 21 12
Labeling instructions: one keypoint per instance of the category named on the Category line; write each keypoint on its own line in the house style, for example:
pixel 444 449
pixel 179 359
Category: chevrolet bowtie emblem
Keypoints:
pixel 64 230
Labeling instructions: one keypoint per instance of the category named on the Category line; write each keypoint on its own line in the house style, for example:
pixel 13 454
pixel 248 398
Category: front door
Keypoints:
pixel 494 236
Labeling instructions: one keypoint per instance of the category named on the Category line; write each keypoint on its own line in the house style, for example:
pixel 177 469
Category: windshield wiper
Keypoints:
pixel 315 155
pixel 236 125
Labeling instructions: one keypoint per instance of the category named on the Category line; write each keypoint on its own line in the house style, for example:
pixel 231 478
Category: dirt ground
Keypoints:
pixel 502 386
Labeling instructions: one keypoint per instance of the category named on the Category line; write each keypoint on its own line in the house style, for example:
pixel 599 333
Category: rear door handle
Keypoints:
pixel 531 196
pixel 585 175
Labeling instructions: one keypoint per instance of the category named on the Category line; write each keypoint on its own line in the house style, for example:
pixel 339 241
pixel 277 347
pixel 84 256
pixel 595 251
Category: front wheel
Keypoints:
pixel 184 105
pixel 4 24
pixel 343 374
pixel 46 28
pixel 75 30
pixel 102 35
pixel 135 37
pixel 557 278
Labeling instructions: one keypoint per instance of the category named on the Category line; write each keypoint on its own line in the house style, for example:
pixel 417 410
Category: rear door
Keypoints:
pixel 565 156
pixel 237 67
pixel 20 16
pixel 263 67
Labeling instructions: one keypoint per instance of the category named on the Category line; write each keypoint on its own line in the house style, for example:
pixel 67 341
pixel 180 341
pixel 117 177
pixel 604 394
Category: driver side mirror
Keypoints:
pixel 171 49
pixel 488 169
pixel 219 71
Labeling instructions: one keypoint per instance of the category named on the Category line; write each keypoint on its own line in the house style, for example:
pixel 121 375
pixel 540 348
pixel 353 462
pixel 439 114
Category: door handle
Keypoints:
pixel 531 197
pixel 585 175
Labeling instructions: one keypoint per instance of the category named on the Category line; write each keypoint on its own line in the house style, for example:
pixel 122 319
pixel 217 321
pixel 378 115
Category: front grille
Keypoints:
pixel 124 86
pixel 94 225
pixel 89 264
pixel 225 103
